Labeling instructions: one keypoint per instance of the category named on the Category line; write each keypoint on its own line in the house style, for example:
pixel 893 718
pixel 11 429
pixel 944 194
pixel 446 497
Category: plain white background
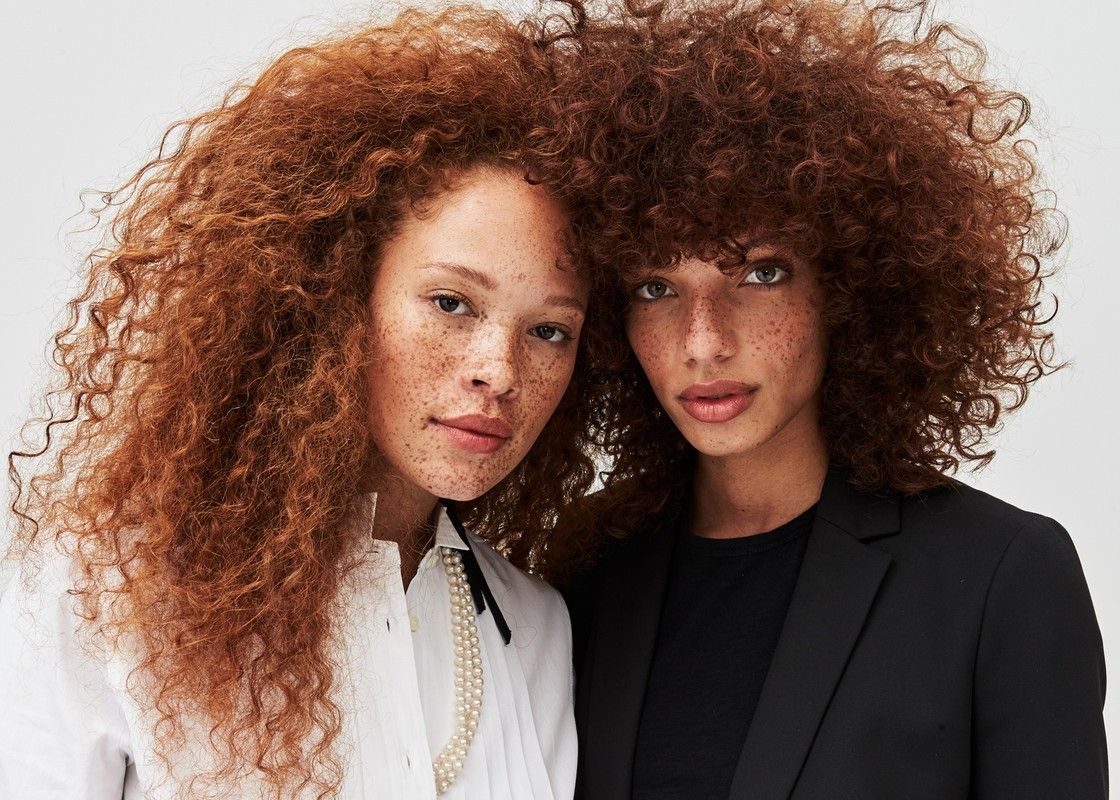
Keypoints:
pixel 89 87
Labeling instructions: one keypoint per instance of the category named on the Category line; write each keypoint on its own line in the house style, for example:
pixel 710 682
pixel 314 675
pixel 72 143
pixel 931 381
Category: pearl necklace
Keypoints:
pixel 468 672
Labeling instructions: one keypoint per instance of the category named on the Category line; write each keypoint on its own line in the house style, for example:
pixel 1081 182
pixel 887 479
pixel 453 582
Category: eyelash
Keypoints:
pixel 566 336
pixel 449 296
pixel 644 284
pixel 779 266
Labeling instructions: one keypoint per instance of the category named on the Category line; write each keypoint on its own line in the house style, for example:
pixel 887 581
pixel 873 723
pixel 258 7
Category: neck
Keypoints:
pixel 754 492
pixel 406 515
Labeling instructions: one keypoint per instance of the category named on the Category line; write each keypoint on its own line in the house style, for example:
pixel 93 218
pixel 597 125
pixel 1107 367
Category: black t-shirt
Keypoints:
pixel 724 606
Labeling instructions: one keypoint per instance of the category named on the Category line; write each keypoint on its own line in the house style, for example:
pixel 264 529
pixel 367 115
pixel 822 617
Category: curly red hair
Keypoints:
pixel 866 138
pixel 211 437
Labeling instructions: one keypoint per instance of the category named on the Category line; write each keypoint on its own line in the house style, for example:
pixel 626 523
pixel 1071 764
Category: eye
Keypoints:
pixel 767 274
pixel 452 305
pixel 653 290
pixel 551 333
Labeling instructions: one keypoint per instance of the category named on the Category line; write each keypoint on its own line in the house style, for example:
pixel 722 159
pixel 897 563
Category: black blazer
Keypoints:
pixel 937 647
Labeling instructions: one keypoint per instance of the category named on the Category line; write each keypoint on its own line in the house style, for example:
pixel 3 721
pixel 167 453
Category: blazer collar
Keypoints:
pixel 862 515
pixel 839 579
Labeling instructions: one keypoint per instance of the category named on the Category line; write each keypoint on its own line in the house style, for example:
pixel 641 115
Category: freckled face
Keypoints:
pixel 736 361
pixel 475 328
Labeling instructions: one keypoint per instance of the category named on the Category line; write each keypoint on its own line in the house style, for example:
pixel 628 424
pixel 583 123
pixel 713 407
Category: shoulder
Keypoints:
pixel 1015 558
pixel 621 524
pixel 976 523
pixel 643 550
pixel 38 600
pixel 960 503
pixel 44 610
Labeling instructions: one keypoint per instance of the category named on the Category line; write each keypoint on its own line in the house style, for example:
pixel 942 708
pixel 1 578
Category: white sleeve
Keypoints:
pixel 63 735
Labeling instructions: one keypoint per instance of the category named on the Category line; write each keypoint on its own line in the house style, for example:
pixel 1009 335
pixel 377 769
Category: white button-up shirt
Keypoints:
pixel 70 730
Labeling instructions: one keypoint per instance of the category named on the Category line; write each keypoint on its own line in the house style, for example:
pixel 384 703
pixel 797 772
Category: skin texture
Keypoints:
pixel 474 313
pixel 758 324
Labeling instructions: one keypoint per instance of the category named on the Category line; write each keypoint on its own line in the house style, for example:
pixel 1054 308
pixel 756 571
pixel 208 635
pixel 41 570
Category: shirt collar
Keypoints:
pixel 446 535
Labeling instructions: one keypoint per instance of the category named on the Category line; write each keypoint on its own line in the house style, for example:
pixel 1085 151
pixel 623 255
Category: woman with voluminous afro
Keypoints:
pixel 829 239
pixel 334 322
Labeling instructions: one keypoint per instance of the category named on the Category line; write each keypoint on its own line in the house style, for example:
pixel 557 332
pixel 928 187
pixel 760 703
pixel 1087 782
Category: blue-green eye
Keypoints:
pixel 451 304
pixel 766 274
pixel 551 333
pixel 653 290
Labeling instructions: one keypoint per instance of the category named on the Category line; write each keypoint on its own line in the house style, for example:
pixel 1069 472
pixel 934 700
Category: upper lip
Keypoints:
pixel 480 423
pixel 714 390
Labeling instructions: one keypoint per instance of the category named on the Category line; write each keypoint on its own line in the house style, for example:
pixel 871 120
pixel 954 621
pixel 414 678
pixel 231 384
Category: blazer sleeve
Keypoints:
pixel 1038 695
pixel 62 731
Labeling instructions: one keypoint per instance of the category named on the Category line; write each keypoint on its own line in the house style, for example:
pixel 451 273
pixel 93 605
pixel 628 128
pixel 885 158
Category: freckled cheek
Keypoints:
pixel 544 380
pixel 412 360
pixel 440 354
pixel 652 343
pixel 789 344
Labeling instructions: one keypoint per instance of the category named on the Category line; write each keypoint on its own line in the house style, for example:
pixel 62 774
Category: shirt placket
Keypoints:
pixel 400 708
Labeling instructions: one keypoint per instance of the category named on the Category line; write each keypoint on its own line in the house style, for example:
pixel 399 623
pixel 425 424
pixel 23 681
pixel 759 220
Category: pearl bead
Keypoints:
pixel 468 672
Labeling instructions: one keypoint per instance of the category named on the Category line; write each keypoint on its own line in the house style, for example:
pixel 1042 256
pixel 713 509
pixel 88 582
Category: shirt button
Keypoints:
pixel 414 622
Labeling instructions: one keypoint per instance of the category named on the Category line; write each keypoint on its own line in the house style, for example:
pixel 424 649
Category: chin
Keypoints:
pixel 462 494
pixel 461 490
pixel 721 450
pixel 715 444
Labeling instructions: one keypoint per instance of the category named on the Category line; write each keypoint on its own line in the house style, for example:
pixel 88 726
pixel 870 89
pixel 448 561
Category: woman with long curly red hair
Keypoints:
pixel 334 323
pixel 830 243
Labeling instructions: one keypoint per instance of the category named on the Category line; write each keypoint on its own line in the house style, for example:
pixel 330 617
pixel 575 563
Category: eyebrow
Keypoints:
pixel 769 250
pixel 486 282
pixel 565 301
pixel 470 273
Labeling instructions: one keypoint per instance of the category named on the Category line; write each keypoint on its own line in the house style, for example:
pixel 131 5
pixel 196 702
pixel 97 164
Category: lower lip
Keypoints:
pixel 722 410
pixel 472 441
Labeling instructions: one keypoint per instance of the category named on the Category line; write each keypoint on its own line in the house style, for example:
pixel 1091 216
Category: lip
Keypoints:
pixel 475 433
pixel 719 401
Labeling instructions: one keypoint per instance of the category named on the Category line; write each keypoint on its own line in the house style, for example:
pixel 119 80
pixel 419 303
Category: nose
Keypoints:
pixel 493 368
pixel 708 335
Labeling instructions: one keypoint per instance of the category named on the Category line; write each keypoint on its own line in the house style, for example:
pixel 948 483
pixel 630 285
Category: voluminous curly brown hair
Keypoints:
pixel 208 439
pixel 866 138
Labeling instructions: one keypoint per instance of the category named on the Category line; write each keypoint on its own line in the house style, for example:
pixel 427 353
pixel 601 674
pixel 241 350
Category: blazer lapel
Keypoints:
pixel 838 581
pixel 616 667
